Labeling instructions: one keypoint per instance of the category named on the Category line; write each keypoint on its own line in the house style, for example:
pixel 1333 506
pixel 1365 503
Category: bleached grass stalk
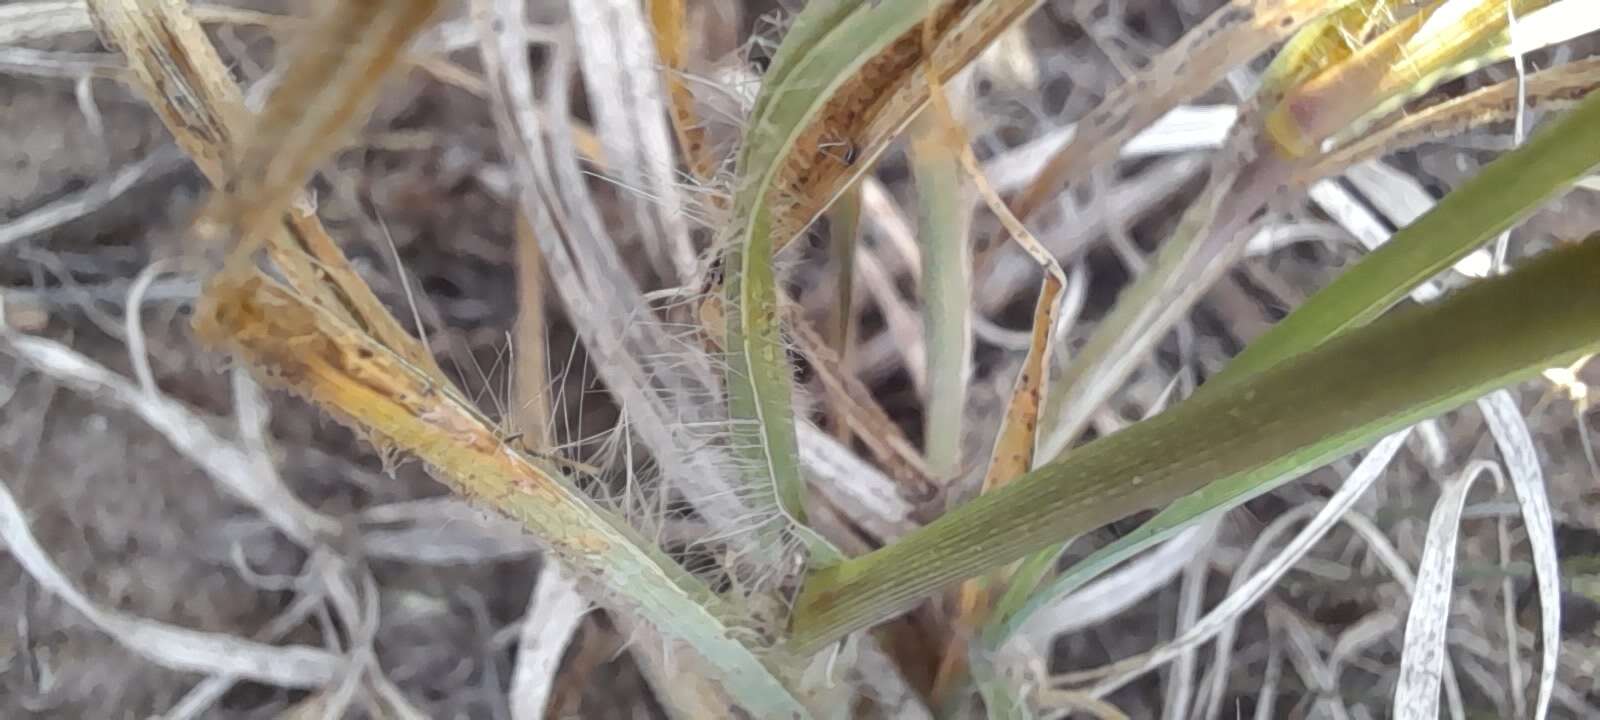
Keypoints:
pixel 76 205
pixel 1373 628
pixel 1246 594
pixel 1230 36
pixel 1180 679
pixel 169 646
pixel 1403 201
pixel 201 697
pixel 859 490
pixel 889 222
pixel 618 59
pixel 1185 128
pixel 1267 697
pixel 442 531
pixel 236 470
pixel 1522 466
pixel 589 275
pixel 1303 646
pixel 554 613
pixel 1424 654
pixel 358 612
pixel 1117 591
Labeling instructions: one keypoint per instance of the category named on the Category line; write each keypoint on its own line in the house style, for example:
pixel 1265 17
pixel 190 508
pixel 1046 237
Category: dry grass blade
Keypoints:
pixel 200 698
pixel 187 84
pixel 1013 451
pixel 442 531
pixel 169 646
pixel 863 493
pixel 79 204
pixel 24 21
pixel 333 79
pixel 63 65
pixel 181 74
pixel 28 21
pixel 555 609
pixel 232 467
pixel 554 612
pixel 1230 36
pixel 859 411
pixel 531 375
pixel 1180 680
pixel 1510 432
pixel 619 68
pixel 1423 656
pixel 1118 590
pixel 1185 128
pixel 1553 89
pixel 839 326
pixel 1241 598
pixel 667 24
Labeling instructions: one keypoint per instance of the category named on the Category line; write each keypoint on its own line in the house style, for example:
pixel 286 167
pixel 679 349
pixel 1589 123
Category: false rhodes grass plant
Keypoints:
pixel 783 624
